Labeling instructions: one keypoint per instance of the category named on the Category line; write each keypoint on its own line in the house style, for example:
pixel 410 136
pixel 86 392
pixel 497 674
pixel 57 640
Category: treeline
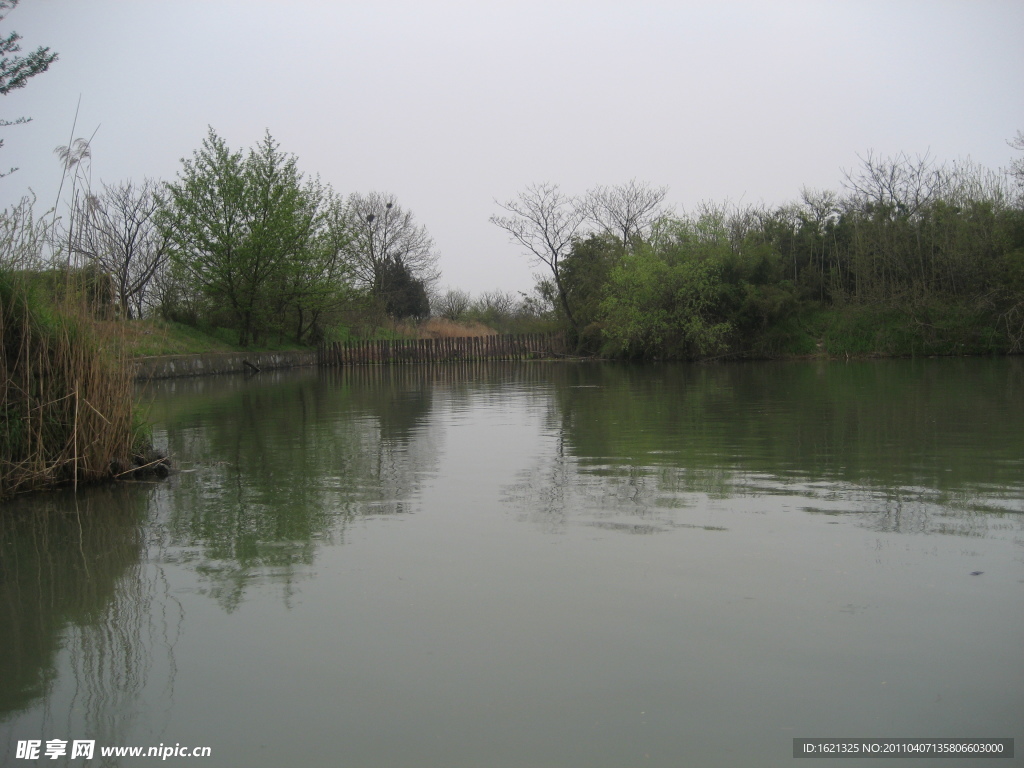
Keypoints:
pixel 243 240
pixel 910 256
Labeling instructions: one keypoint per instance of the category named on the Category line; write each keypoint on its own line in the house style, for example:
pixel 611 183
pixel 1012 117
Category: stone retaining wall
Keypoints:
pixel 172 366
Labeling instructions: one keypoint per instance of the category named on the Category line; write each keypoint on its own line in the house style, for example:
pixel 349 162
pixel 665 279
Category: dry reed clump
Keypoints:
pixel 66 400
pixel 441 328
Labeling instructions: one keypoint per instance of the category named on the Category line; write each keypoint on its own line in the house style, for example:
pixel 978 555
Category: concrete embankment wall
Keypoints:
pixel 172 366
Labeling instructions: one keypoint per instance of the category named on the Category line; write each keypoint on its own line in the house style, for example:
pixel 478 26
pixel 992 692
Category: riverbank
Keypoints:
pixel 160 350
pixel 853 331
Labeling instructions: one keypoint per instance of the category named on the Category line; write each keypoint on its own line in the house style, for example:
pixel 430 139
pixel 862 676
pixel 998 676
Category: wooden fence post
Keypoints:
pixel 467 349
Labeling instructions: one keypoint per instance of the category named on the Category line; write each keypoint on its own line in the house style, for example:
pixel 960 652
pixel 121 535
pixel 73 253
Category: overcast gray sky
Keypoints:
pixel 450 105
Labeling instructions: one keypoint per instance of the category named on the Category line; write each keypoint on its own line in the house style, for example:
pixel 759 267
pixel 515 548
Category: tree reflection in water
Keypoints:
pixel 905 447
pixel 87 623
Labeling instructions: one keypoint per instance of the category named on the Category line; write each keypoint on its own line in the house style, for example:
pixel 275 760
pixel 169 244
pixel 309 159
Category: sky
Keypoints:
pixel 452 106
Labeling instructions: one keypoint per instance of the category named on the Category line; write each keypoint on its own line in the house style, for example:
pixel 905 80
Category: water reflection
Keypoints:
pixel 78 600
pixel 276 467
pixel 910 446
pixel 880 423
pixel 715 480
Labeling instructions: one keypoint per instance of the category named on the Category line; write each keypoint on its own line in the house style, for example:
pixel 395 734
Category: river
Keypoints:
pixel 534 564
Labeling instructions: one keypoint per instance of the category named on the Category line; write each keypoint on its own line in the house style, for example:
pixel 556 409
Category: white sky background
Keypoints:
pixel 451 105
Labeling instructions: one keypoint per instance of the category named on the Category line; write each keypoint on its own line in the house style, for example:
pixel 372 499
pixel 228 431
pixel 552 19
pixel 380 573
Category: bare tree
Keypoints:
pixel 900 184
pixel 452 304
pixel 627 211
pixel 544 221
pixel 820 205
pixel 23 237
pixel 384 238
pixel 1017 166
pixel 118 233
pixel 817 215
pixel 497 302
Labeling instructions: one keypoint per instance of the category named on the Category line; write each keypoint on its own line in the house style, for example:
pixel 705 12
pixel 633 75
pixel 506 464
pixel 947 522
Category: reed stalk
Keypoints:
pixel 66 391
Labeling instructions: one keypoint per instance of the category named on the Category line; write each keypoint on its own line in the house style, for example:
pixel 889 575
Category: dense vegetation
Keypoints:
pixel 66 390
pixel 909 257
pixel 912 257
pixel 255 247
pixel 243 241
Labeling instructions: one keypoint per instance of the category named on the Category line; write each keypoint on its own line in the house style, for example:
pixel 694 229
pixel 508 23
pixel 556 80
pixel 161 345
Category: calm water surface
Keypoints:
pixel 535 565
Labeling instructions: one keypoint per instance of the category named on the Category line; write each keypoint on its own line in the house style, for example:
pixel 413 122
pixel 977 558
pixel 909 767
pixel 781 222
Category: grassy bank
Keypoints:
pixel 880 331
pixel 146 338
pixel 813 330
pixel 912 331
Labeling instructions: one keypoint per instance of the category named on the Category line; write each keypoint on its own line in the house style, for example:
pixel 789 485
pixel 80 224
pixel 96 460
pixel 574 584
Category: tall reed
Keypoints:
pixel 66 405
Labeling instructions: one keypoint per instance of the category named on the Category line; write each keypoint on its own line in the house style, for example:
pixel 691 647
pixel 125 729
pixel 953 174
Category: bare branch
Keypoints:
pixel 900 184
pixel 117 231
pixel 627 211
pixel 544 221
pixel 384 235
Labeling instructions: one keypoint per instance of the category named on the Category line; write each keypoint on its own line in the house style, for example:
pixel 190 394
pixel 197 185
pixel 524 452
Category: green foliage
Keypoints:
pixel 255 241
pixel 584 275
pixel 80 286
pixel 662 307
pixel 914 258
pixel 404 295
pixel 928 329
pixel 207 223
pixel 16 71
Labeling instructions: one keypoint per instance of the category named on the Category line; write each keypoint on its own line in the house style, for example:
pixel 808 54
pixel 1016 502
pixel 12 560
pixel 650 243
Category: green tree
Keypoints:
pixel 584 274
pixel 207 223
pixel 665 300
pixel 15 71
pixel 659 305
pixel 285 216
pixel 243 230
pixel 321 283
pixel 403 295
